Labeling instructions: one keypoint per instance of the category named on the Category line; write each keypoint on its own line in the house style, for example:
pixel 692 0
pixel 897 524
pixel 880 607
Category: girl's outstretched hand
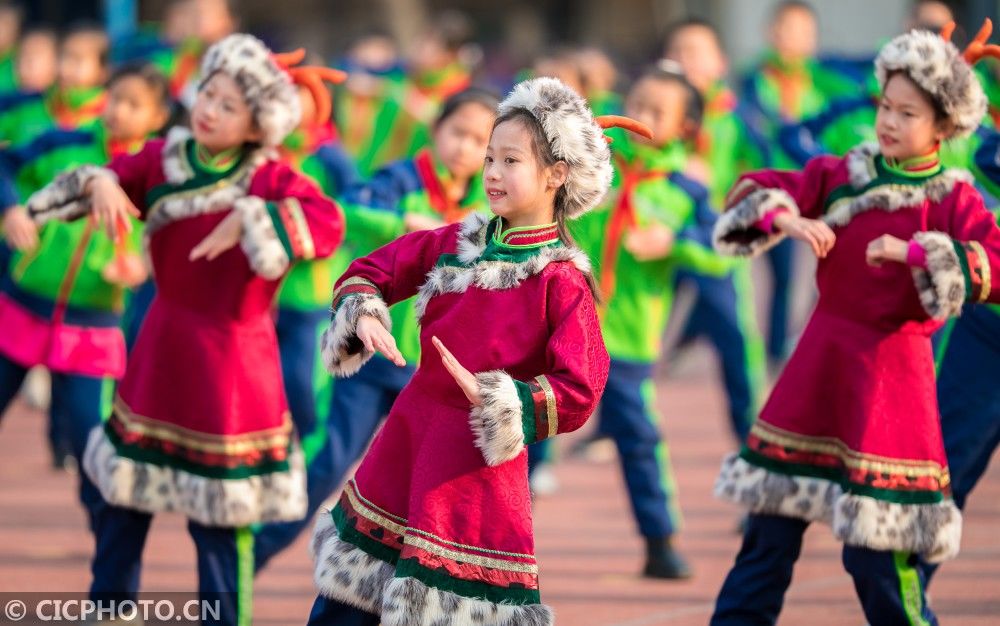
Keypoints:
pixel 223 237
pixel 19 229
pixel 816 233
pixel 376 338
pixel 465 379
pixel 110 207
pixel 886 249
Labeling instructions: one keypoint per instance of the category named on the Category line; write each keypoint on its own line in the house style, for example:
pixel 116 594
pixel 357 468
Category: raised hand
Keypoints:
pixel 886 249
pixel 650 242
pixel 111 207
pixel 816 233
pixel 19 229
pixel 376 338
pixel 223 237
pixel 465 379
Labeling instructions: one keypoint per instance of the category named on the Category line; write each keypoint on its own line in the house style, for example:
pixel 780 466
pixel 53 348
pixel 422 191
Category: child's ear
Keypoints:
pixel 255 134
pixel 943 130
pixel 558 173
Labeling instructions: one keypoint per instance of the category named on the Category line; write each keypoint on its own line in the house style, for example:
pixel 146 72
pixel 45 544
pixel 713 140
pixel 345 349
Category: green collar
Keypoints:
pixel 518 244
pixel 669 158
pixel 917 167
pixel 220 163
pixel 911 170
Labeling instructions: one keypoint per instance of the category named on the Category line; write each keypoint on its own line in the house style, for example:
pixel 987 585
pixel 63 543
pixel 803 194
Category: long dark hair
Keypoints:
pixel 542 150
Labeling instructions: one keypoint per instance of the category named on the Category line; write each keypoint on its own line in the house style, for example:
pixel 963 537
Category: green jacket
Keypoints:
pixel 67 264
pixel 637 295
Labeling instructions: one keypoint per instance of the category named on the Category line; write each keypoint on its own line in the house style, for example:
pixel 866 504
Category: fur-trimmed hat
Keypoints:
pixel 267 87
pixel 939 68
pixel 574 136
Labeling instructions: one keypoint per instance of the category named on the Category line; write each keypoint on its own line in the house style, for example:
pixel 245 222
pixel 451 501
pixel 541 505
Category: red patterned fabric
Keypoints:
pixel 424 467
pixel 206 359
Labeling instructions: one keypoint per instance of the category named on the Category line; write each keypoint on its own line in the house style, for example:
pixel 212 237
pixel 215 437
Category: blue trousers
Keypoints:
pixel 135 311
pixel 723 313
pixel 781 259
pixel 225 561
pixel 968 371
pixel 627 414
pixel 80 401
pixel 890 585
pixel 357 406
pixel 327 612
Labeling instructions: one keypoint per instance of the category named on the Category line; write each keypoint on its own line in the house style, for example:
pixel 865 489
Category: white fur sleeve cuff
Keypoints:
pixel 497 423
pixel 342 351
pixel 735 232
pixel 941 285
pixel 64 198
pixel 260 241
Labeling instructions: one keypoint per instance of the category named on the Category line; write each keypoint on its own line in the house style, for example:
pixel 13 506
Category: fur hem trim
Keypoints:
pixel 941 286
pixel 734 233
pixel 932 530
pixel 64 198
pixel 343 353
pixel 492 275
pixel 267 256
pixel 573 135
pixel 409 602
pixel 762 491
pixel 496 423
pixel 939 68
pixel 345 572
pixel 231 503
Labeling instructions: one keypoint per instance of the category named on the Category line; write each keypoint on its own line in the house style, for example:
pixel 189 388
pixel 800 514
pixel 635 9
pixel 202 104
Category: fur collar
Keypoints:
pixel 887 197
pixel 489 274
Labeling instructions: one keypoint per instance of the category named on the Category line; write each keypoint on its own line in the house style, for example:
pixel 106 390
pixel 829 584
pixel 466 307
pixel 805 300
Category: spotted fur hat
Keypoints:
pixel 265 84
pixel 575 136
pixel 934 63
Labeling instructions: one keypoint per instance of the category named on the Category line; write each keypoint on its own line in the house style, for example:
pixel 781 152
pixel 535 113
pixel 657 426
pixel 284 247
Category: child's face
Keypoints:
pixel 221 118
pixel 36 62
pixel 905 122
pixel 308 106
pixel 80 64
pixel 931 15
pixel 516 183
pixel 212 20
pixel 793 34
pixel 697 50
pixel 659 104
pixel 460 140
pixel 133 111
pixel 10 27
pixel 561 69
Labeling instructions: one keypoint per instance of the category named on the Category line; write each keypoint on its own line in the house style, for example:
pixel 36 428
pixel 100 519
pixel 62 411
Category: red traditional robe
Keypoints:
pixel 851 433
pixel 437 521
pixel 200 424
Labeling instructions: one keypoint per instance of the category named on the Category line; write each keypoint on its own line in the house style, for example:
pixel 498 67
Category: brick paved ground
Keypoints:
pixel 588 551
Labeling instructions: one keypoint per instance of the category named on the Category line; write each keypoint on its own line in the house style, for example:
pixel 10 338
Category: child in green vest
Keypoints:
pixel 62 297
pixel 659 222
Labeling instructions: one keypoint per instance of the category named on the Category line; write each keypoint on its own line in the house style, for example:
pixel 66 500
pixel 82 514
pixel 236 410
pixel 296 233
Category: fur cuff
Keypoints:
pixel 762 491
pixel 931 530
pixel 260 241
pixel 942 285
pixel 345 572
pixel 343 353
pixel 228 503
pixel 497 422
pixel 735 233
pixel 64 198
pixel 409 602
